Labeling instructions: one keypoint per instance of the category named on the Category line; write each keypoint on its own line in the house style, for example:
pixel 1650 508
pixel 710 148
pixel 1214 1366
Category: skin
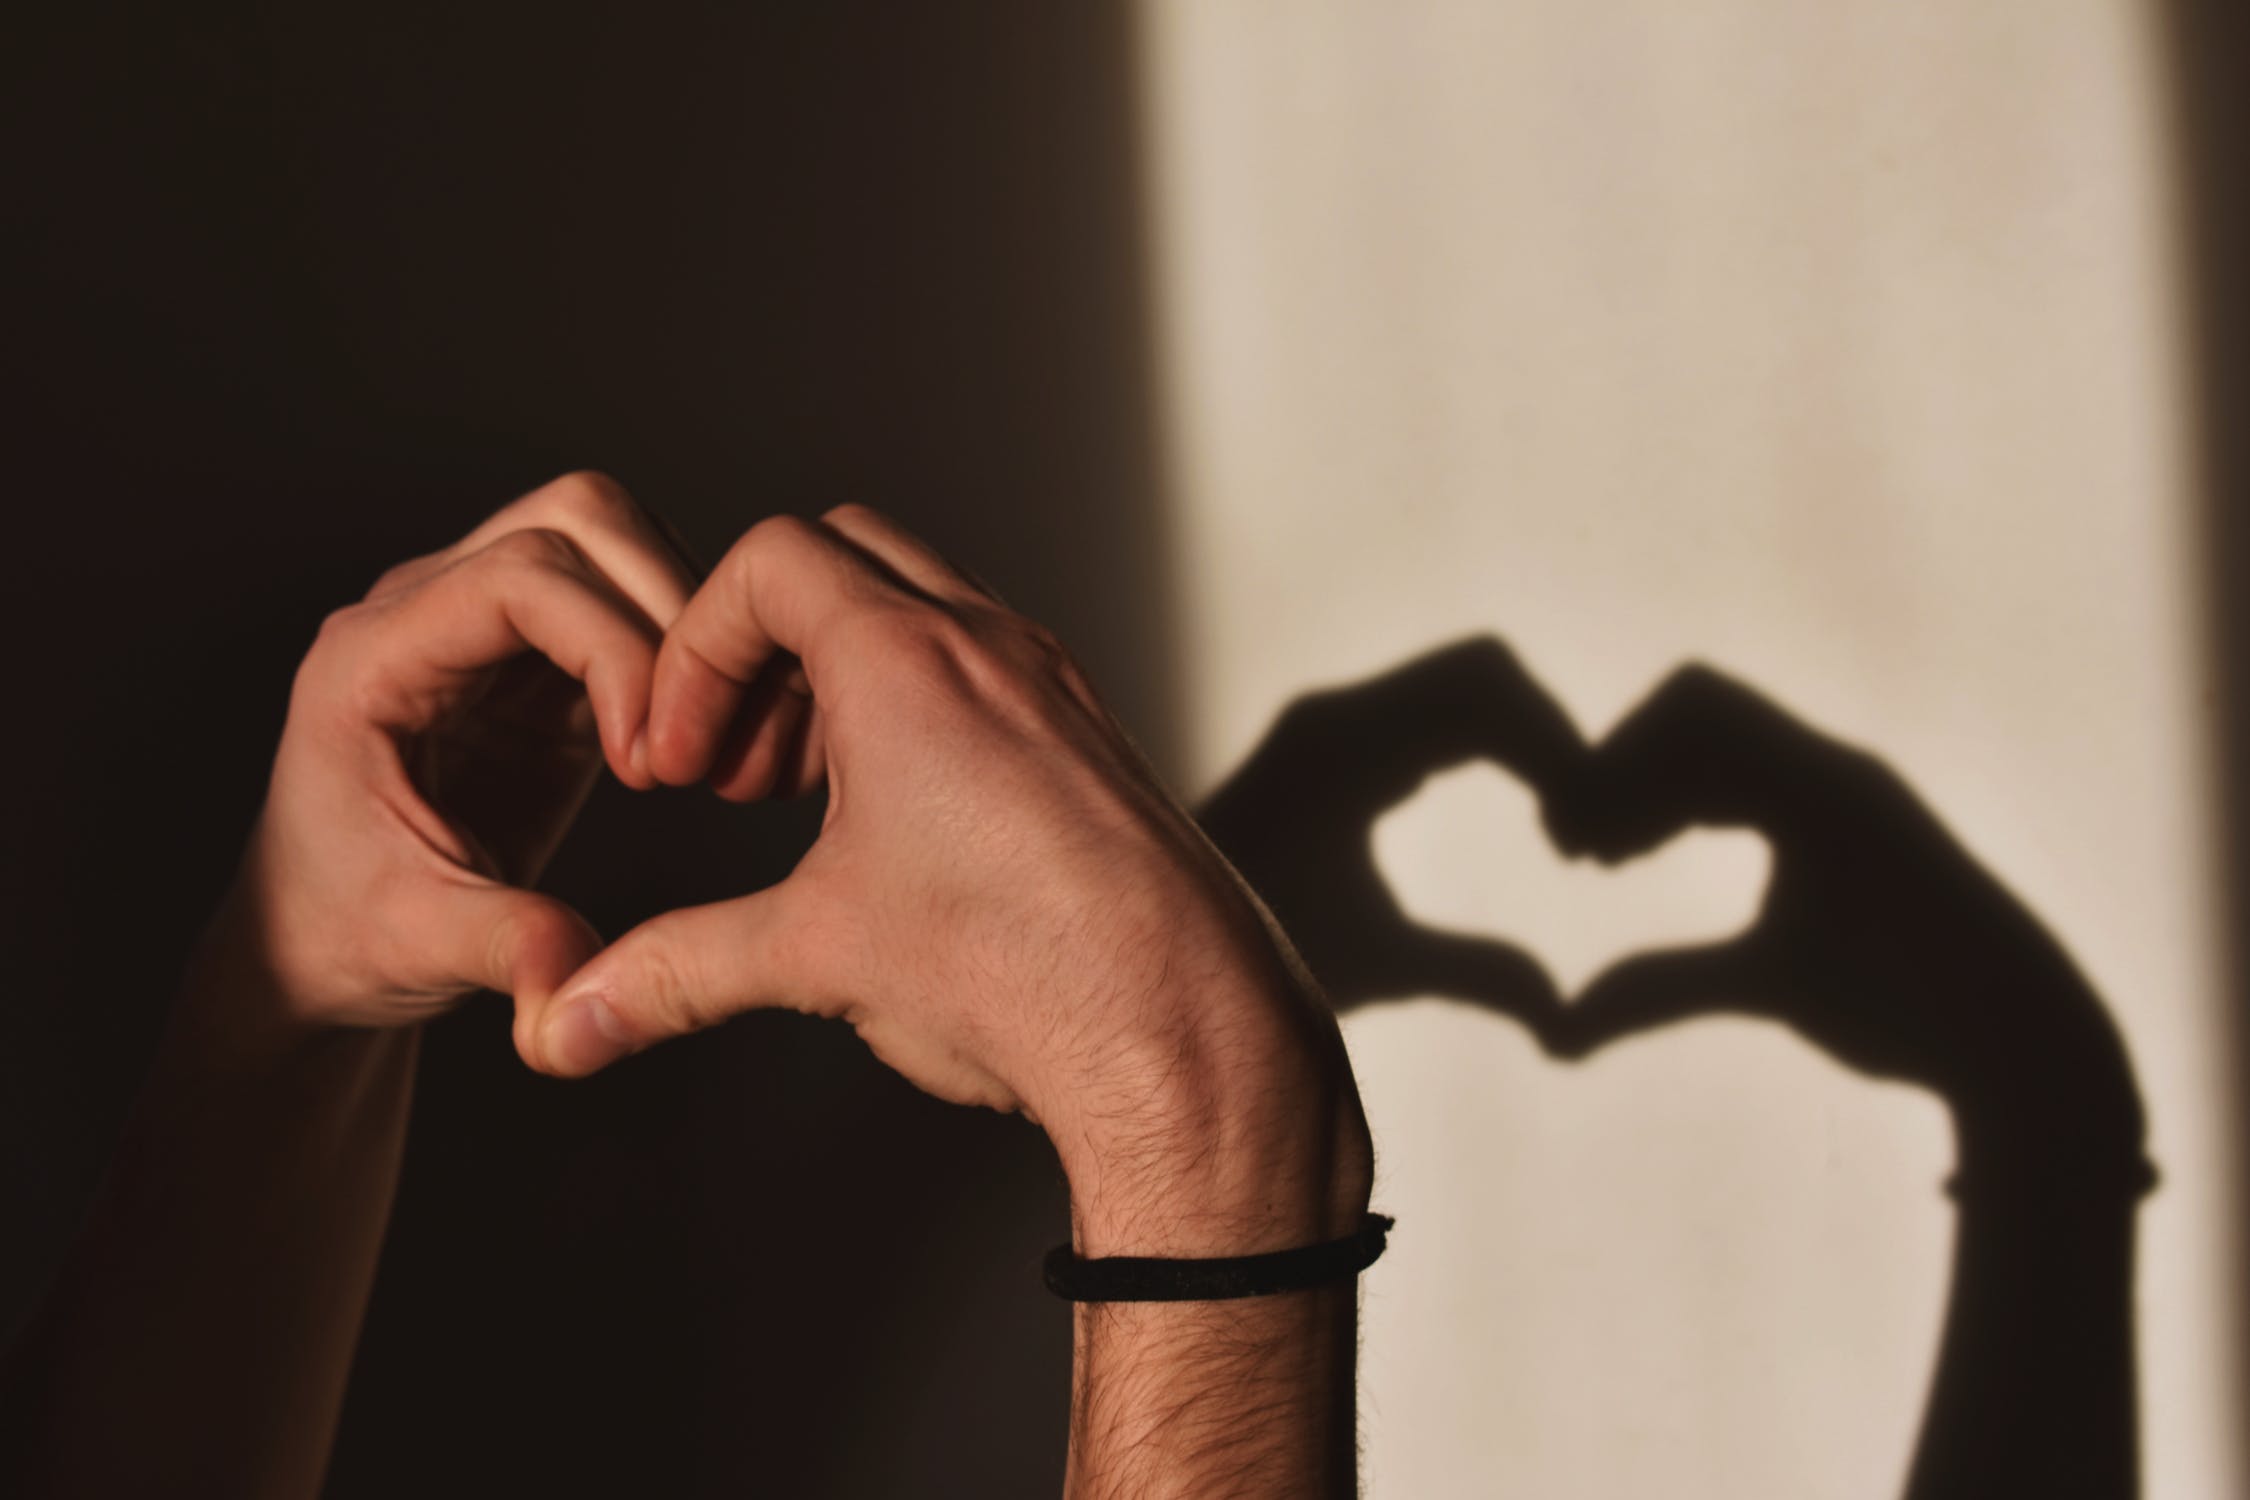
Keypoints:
pixel 1004 902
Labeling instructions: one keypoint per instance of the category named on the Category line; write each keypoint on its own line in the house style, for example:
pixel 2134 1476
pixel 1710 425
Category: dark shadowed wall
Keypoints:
pixel 293 295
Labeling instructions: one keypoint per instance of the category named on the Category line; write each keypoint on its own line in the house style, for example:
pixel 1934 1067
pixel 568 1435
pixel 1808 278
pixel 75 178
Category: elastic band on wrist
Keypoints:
pixel 1142 1278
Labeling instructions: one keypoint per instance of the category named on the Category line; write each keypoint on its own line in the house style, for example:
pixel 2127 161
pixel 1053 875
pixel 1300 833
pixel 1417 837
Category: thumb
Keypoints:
pixel 491 936
pixel 675 973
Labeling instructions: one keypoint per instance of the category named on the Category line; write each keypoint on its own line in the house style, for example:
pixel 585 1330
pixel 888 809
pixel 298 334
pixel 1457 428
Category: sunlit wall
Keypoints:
pixel 1838 344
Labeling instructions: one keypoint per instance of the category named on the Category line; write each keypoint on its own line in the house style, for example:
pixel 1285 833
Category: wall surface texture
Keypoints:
pixel 1840 347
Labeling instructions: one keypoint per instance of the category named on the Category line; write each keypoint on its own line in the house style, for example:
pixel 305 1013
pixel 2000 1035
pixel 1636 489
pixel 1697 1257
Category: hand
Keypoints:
pixel 441 737
pixel 1003 900
pixel 1298 819
pixel 1881 939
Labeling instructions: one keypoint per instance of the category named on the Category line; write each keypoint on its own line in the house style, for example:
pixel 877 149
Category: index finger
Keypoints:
pixel 528 591
pixel 641 554
pixel 788 585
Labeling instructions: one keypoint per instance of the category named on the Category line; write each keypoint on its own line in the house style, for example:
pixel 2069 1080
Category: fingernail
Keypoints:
pixel 584 1036
pixel 637 755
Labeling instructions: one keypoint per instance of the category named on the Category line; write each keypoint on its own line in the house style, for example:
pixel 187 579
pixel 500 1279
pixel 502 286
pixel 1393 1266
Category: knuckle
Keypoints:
pixel 590 494
pixel 339 626
pixel 334 649
pixel 775 533
pixel 922 656
pixel 922 642
pixel 1008 661
pixel 852 511
pixel 1000 632
pixel 776 542
pixel 1053 661
pixel 396 577
pixel 327 662
pixel 540 548
pixel 1040 646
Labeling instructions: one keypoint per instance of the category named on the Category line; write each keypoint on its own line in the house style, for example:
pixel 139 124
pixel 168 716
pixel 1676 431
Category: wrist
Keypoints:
pixel 236 1012
pixel 236 1056
pixel 1240 1153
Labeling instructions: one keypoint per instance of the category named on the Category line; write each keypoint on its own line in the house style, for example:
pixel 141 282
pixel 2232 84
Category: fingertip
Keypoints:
pixel 525 1034
pixel 676 754
pixel 581 1034
pixel 631 763
pixel 741 787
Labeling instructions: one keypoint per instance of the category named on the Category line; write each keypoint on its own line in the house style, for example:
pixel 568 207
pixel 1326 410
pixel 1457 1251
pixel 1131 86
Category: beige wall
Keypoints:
pixel 1837 344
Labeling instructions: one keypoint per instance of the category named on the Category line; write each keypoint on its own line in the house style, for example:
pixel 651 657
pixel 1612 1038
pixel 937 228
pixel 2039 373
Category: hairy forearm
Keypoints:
pixel 1251 1397
pixel 200 1333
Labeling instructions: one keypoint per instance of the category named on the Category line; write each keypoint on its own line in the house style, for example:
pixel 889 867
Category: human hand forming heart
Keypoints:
pixel 1003 900
pixel 441 737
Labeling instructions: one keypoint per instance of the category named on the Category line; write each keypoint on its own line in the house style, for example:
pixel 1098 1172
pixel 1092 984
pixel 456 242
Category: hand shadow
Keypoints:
pixel 1881 941
pixel 1298 817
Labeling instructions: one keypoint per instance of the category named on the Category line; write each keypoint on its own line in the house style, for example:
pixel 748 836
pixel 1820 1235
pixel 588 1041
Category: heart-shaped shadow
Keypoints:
pixel 1467 853
pixel 1880 940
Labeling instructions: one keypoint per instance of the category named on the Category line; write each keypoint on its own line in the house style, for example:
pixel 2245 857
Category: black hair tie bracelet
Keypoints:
pixel 1140 1278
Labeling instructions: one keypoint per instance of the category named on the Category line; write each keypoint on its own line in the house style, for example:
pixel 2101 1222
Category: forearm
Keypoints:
pixel 200 1334
pixel 1251 1397
pixel 1224 1399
